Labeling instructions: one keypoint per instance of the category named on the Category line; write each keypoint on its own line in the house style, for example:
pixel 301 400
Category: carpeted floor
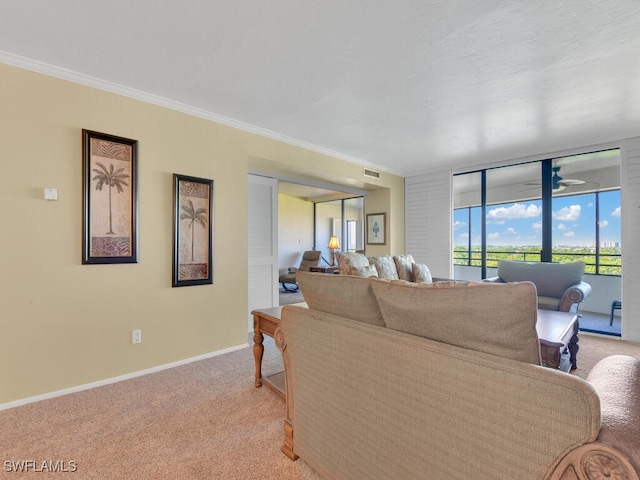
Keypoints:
pixel 204 420
pixel 594 348
pixel 287 298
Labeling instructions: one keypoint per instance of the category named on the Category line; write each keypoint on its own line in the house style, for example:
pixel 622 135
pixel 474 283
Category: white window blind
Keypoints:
pixel 630 183
pixel 428 213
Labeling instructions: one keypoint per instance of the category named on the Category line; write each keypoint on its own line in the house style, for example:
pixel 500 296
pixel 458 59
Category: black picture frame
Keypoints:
pixel 192 231
pixel 110 199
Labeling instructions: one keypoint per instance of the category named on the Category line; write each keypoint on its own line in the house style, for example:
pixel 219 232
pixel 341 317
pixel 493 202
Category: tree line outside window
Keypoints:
pixel 585 227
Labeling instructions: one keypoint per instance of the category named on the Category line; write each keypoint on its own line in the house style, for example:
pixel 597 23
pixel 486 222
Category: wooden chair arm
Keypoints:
pixel 594 461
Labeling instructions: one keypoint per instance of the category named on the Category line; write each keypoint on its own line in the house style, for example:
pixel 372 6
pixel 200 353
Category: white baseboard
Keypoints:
pixel 128 376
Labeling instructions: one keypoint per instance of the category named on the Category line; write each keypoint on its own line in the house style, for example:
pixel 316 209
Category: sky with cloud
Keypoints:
pixel 520 224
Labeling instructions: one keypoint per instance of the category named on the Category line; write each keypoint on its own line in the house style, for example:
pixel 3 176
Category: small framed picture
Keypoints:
pixel 376 229
pixel 110 199
pixel 192 231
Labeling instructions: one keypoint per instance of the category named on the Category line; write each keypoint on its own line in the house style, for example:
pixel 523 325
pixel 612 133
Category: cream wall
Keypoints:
pixel 65 324
pixel 383 201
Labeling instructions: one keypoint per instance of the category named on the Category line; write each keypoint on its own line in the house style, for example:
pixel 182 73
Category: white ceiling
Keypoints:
pixel 309 193
pixel 405 86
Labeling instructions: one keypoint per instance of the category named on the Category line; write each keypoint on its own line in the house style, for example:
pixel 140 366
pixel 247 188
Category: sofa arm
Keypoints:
pixel 573 295
pixel 614 454
pixel 616 379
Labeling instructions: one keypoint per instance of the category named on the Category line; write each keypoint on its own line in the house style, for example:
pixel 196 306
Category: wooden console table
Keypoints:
pixel 557 330
pixel 265 321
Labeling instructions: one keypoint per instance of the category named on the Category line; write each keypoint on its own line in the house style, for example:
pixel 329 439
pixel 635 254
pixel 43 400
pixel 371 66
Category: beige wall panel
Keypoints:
pixel 66 324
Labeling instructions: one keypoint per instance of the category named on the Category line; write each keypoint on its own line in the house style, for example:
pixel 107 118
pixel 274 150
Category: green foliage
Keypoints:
pixel 610 259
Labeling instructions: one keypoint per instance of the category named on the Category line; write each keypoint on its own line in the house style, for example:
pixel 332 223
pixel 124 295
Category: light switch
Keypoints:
pixel 51 194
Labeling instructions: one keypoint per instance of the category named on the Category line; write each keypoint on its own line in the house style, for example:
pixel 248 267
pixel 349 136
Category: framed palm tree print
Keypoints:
pixel 192 231
pixel 110 199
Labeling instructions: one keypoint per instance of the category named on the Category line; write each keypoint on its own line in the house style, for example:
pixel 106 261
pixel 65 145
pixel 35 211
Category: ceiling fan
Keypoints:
pixel 560 183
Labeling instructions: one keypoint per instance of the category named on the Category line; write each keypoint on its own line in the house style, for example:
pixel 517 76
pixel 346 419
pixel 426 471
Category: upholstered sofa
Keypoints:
pixel 391 379
pixel 560 285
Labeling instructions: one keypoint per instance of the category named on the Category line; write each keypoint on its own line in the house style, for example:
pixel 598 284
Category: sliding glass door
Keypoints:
pixel 540 211
pixel 556 210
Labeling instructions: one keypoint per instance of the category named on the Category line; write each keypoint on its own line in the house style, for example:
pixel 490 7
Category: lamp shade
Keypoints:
pixel 334 243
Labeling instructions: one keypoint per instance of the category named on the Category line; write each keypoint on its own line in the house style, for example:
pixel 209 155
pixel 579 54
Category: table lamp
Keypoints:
pixel 334 244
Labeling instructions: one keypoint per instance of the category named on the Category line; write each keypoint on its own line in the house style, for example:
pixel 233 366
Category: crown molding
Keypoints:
pixel 93 82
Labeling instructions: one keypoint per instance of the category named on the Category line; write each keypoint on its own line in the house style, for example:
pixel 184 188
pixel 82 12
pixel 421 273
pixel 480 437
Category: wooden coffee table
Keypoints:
pixel 557 331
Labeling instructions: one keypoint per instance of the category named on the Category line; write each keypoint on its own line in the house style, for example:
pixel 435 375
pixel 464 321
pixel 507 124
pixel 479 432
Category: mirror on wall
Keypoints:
pixel 340 218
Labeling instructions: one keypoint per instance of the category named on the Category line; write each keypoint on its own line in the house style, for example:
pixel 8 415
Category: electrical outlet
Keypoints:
pixel 136 336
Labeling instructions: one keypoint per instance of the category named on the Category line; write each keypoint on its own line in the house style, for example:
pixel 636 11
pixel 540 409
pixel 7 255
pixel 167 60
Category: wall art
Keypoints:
pixel 110 199
pixel 376 229
pixel 192 231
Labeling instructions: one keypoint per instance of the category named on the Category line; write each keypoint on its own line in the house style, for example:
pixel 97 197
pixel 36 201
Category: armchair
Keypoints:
pixel 310 258
pixel 560 285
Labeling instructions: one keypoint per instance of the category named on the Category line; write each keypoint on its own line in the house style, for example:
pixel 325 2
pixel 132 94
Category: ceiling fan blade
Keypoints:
pixel 570 182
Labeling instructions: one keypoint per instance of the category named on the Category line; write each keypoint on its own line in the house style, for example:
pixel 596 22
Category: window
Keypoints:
pixel 583 219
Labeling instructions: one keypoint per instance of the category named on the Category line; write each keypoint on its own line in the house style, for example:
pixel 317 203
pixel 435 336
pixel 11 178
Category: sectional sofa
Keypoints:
pixel 388 379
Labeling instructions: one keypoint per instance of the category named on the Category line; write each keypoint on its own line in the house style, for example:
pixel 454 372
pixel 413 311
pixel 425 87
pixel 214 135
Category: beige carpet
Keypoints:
pixel 204 420
pixel 287 298
pixel 594 348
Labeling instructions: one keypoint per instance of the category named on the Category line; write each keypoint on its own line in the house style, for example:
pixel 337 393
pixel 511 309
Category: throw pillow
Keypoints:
pixel 385 266
pixel 489 317
pixel 346 260
pixel 421 273
pixel 344 295
pixel 368 271
pixel 403 265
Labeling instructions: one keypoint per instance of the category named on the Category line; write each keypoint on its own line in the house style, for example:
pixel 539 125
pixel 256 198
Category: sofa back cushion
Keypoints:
pixel 368 271
pixel 385 266
pixel 551 279
pixel 494 318
pixel 344 295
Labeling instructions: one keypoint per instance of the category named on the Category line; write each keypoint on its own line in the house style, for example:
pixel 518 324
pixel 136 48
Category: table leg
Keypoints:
pixel 574 347
pixel 258 350
pixel 552 356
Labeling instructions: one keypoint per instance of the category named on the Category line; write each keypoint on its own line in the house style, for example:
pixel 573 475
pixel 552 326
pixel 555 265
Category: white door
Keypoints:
pixel 262 244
